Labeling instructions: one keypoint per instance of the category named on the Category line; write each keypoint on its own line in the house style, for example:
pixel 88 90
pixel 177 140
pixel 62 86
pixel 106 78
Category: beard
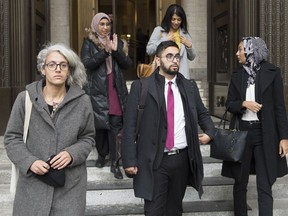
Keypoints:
pixel 168 70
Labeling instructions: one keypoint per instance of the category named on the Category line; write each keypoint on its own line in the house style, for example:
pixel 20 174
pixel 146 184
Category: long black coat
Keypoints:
pixel 147 153
pixel 93 59
pixel 269 93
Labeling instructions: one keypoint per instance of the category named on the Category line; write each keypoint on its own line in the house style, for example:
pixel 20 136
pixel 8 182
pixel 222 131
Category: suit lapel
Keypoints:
pixel 156 89
pixel 266 76
pixel 240 79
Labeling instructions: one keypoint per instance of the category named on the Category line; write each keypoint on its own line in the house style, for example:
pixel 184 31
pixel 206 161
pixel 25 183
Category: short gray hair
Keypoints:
pixel 78 74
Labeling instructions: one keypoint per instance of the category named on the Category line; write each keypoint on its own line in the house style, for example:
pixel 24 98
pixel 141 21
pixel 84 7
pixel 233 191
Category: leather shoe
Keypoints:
pixel 100 162
pixel 117 172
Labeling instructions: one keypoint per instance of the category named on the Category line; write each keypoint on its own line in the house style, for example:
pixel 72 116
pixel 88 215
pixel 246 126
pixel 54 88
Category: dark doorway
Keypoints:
pixel 221 45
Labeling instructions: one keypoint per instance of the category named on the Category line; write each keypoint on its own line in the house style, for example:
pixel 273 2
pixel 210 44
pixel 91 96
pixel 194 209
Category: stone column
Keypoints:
pixel 5 90
pixel 274 30
pixel 4 44
pixel 196 12
pixel 60 22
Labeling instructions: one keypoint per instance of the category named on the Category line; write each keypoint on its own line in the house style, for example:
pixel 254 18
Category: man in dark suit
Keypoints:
pixel 162 170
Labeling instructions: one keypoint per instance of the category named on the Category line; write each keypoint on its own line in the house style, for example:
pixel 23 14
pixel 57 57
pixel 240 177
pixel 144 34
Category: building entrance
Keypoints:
pixel 132 21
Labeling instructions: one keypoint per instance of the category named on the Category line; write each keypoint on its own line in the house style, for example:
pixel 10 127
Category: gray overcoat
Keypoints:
pixel 71 129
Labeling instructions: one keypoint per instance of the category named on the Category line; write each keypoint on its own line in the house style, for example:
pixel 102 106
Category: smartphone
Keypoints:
pixel 49 159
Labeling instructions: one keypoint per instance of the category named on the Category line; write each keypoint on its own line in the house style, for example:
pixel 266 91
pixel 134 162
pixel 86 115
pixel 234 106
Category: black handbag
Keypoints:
pixel 228 144
pixel 55 177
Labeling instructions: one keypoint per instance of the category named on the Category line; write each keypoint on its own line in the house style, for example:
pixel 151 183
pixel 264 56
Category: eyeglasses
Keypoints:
pixel 170 57
pixel 52 66
pixel 105 24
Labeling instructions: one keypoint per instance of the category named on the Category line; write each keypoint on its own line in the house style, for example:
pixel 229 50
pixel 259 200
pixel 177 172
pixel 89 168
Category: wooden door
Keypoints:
pixel 221 46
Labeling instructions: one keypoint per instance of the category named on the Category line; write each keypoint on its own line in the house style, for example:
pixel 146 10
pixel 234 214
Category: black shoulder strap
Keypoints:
pixel 141 105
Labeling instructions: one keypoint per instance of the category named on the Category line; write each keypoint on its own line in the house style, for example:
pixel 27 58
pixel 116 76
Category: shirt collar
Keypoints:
pixel 173 80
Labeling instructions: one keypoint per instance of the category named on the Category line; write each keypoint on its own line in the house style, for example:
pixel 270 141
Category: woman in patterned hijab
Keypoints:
pixel 260 109
pixel 256 51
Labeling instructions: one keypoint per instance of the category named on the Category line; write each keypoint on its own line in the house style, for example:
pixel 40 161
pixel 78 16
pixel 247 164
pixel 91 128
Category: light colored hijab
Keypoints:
pixel 256 51
pixel 102 39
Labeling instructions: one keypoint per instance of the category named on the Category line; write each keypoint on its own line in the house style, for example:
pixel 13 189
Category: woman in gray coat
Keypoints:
pixel 174 27
pixel 61 124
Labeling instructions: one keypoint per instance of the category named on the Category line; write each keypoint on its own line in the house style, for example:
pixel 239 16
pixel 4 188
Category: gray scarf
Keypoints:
pixel 256 51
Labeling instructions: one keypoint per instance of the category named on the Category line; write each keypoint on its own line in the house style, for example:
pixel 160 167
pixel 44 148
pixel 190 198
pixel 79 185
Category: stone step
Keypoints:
pixel 109 196
pixel 212 167
pixel 200 208
pixel 215 187
pixel 189 208
pixel 102 179
pixel 205 151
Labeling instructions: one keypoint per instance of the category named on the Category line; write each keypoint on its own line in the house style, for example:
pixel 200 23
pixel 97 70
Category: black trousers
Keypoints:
pixel 170 182
pixel 106 139
pixel 264 188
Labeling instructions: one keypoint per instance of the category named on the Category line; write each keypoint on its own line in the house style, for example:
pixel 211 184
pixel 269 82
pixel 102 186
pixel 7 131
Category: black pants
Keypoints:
pixel 264 188
pixel 106 139
pixel 170 182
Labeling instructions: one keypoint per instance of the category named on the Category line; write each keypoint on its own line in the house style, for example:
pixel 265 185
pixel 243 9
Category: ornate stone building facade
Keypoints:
pixel 228 22
pixel 216 27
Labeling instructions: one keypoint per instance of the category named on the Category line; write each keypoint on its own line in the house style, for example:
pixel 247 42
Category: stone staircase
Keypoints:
pixel 109 196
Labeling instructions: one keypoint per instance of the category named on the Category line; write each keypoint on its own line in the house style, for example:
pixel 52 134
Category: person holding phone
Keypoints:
pixel 61 125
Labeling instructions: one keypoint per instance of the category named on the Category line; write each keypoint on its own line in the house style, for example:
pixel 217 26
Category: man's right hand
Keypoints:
pixel 131 170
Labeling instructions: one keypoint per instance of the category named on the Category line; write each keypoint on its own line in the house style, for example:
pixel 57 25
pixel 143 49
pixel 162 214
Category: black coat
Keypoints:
pixel 147 153
pixel 93 59
pixel 269 93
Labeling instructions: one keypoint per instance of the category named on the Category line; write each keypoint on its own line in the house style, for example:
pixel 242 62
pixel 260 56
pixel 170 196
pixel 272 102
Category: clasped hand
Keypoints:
pixel 60 161
pixel 252 105
pixel 183 40
pixel 111 45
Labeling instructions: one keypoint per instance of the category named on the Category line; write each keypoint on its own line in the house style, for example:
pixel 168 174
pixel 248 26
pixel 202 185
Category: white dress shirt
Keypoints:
pixel 250 96
pixel 180 141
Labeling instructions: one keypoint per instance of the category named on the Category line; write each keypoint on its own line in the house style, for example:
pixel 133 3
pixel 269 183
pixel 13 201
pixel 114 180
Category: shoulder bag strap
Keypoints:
pixel 15 170
pixel 141 105
pixel 28 108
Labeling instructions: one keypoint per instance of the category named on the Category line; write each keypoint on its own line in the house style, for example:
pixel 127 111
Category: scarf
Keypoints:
pixel 177 38
pixel 102 39
pixel 256 51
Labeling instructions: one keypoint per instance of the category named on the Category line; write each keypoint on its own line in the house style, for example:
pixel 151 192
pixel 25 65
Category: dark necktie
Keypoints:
pixel 170 118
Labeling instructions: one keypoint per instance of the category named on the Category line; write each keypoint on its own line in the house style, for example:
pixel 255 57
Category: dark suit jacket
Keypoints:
pixel 269 93
pixel 147 152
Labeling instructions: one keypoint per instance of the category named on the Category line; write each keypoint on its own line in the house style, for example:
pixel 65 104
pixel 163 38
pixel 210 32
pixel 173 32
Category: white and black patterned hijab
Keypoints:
pixel 256 51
